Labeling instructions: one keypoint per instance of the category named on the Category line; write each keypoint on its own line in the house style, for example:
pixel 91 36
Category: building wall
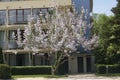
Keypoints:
pixel 14 13
pixel 32 4
pixel 72 62
pixel 80 64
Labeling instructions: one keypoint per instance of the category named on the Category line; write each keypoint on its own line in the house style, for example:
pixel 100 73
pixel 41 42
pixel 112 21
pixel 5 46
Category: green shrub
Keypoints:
pixel 117 68
pixel 5 72
pixel 101 69
pixel 30 70
pixel 112 69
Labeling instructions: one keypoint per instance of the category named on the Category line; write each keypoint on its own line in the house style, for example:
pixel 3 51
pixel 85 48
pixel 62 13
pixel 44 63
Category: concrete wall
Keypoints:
pixel 72 63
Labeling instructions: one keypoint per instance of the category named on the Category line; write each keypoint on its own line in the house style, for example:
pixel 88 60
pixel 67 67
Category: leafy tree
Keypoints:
pixel 116 11
pixel 102 27
pixel 108 29
pixel 61 33
pixel 114 46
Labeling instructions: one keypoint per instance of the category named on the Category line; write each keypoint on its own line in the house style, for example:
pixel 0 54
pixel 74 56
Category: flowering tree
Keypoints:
pixel 60 33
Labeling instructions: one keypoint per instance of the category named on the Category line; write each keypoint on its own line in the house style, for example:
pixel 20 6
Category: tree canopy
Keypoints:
pixel 108 29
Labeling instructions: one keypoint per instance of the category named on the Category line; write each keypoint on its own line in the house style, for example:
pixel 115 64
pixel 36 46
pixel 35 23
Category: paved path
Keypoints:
pixel 74 77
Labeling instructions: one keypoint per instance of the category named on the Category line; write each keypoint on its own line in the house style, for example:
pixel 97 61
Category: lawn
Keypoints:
pixel 32 76
pixel 112 75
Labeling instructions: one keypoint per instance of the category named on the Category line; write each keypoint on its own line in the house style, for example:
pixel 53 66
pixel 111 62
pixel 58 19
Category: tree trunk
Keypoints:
pixel 57 63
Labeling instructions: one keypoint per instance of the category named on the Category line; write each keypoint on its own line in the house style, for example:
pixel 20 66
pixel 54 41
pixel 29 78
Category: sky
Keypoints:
pixel 104 6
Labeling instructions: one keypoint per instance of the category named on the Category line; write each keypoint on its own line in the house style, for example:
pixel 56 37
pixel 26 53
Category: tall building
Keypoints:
pixel 13 15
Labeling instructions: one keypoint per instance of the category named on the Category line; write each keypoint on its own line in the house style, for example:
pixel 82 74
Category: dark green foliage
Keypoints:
pixel 114 46
pixel 112 69
pixel 101 69
pixel 108 29
pixel 116 11
pixel 31 70
pixel 5 72
pixel 102 27
pixel 1 56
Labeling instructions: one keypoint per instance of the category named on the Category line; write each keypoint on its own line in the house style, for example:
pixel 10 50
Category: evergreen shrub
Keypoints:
pixel 102 69
pixel 30 70
pixel 5 71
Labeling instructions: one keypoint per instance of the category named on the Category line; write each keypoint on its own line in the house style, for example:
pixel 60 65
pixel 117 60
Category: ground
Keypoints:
pixel 74 77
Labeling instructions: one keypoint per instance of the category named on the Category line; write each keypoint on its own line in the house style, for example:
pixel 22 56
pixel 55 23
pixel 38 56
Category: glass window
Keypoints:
pixel 4 0
pixel 36 11
pixel 7 0
pixel 50 11
pixel 12 17
pixel 15 31
pixel 44 11
pixel 2 17
pixel 11 32
pixel 2 36
pixel 26 13
pixel 20 16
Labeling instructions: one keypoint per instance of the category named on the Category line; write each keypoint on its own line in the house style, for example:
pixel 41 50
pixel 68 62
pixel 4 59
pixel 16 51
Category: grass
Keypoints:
pixel 109 75
pixel 32 76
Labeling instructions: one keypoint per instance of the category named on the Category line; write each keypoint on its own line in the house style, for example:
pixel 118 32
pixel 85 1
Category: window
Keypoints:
pixel 18 16
pixel 15 31
pixel 4 0
pixel 36 11
pixel 42 59
pixel 8 0
pixel 2 17
pixel 2 36
pixel 43 12
pixel 26 13
pixel 10 34
pixel 12 16
pixel 12 42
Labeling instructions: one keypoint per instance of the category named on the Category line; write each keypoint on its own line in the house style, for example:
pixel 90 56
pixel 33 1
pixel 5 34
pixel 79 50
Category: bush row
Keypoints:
pixel 5 72
pixel 30 70
pixel 102 69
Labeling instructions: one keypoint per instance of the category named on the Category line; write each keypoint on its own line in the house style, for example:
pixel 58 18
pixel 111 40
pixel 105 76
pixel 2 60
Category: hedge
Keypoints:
pixel 30 70
pixel 103 69
pixel 5 72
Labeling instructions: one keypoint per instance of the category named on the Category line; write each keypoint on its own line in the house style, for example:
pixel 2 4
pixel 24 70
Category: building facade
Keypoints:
pixel 13 15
